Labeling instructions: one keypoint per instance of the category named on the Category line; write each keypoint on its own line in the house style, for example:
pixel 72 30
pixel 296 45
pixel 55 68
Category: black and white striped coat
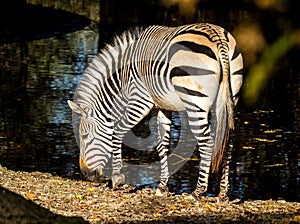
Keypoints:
pixel 196 68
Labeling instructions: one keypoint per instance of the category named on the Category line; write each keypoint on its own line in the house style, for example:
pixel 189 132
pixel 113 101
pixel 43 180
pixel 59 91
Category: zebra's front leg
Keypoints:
pixel 224 184
pixel 163 124
pixel 117 178
pixel 131 117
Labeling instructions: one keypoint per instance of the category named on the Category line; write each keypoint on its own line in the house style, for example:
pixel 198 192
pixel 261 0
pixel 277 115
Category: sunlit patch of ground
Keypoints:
pixel 97 203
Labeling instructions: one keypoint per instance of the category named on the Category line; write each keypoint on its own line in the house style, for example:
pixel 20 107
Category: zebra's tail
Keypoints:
pixel 224 106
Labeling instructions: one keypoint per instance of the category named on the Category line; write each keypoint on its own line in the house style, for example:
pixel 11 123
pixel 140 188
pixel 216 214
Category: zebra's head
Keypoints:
pixel 95 137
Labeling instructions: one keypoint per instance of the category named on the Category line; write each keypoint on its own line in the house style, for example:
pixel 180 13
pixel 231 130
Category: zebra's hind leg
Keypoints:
pixel 163 124
pixel 205 146
pixel 198 105
pixel 224 184
pixel 198 122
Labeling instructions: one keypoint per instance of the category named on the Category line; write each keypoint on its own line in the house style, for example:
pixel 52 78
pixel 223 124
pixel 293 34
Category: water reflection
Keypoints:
pixel 36 80
pixel 266 156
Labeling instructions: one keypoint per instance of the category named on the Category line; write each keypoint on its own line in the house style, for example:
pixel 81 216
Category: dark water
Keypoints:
pixel 38 77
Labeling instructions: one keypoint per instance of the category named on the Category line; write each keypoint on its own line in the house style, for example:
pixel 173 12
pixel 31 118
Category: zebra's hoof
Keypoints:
pixel 161 191
pixel 117 180
pixel 190 197
pixel 222 199
pixel 196 196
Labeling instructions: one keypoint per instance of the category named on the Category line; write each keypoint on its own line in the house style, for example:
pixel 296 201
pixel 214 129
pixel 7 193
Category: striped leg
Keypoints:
pixel 197 105
pixel 162 148
pixel 117 177
pixel 224 184
pixel 138 107
pixel 200 128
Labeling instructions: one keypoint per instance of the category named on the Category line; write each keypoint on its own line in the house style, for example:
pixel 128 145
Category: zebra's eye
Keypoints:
pixel 84 134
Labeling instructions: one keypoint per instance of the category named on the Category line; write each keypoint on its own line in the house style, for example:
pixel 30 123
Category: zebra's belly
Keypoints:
pixel 169 101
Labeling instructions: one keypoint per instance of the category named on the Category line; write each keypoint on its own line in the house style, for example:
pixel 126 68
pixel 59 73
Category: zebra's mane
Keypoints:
pixel 122 40
pixel 97 72
pixel 99 69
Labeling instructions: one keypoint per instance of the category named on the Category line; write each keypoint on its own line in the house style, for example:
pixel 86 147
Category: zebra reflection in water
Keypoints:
pixel 195 68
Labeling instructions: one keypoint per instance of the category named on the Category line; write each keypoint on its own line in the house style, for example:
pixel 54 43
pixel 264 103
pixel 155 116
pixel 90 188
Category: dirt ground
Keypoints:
pixel 97 203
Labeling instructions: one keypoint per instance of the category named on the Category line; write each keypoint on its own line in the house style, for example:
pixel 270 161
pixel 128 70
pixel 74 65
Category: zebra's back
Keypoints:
pixel 171 58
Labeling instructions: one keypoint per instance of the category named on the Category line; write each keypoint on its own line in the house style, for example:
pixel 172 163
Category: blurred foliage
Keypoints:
pixel 186 7
pixel 261 72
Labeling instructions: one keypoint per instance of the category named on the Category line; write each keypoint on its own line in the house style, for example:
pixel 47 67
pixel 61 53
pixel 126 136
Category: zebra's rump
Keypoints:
pixel 170 101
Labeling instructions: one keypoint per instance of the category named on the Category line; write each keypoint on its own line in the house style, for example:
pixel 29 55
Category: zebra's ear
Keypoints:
pixel 76 108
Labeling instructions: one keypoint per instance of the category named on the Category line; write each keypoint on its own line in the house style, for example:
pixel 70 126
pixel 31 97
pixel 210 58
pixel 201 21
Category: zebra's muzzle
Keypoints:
pixel 92 175
pixel 95 175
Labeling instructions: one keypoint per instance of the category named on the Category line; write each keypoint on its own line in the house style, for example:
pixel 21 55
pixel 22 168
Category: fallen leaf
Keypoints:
pixel 210 208
pixel 79 196
pixel 30 196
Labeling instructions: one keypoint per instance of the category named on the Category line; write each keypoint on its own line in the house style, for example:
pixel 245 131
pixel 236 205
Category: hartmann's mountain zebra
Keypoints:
pixel 196 68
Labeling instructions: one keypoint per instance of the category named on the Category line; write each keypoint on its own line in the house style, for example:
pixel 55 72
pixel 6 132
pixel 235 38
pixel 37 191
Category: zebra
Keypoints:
pixel 196 68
